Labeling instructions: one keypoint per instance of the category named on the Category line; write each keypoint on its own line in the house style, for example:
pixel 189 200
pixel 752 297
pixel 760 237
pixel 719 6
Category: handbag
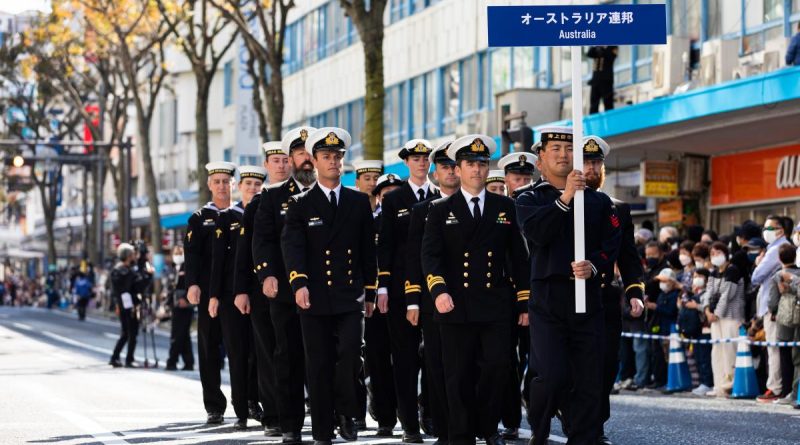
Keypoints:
pixel 789 310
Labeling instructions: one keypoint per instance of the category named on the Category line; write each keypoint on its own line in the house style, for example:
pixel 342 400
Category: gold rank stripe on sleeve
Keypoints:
pixel 241 231
pixel 411 288
pixel 433 280
pixel 371 287
pixel 639 285
pixel 294 275
pixel 523 295
pixel 384 273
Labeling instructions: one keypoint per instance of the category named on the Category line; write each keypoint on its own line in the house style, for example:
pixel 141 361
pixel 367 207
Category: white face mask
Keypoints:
pixel 665 287
pixel 699 264
pixel 177 259
pixel 796 239
pixel 797 257
pixel 770 236
pixel 718 260
pixel 685 260
pixel 698 282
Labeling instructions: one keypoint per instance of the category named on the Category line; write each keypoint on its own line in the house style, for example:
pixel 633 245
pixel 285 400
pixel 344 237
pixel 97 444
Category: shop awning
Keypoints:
pixel 757 111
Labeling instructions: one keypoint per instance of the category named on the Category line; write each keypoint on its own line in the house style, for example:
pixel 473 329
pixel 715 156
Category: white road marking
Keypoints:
pixel 22 326
pixel 78 344
pixel 92 428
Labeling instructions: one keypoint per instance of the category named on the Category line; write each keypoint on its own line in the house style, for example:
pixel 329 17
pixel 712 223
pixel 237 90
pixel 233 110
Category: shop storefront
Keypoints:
pixel 755 184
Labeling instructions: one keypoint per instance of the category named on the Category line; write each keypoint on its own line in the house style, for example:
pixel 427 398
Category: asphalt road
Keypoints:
pixel 56 387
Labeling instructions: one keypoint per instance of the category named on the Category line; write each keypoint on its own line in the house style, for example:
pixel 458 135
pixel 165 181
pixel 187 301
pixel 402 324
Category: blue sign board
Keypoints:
pixel 577 25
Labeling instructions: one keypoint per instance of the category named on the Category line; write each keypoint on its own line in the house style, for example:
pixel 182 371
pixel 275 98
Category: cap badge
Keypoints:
pixel 304 134
pixel 332 139
pixel 420 148
pixel 591 147
pixel 522 159
pixel 477 146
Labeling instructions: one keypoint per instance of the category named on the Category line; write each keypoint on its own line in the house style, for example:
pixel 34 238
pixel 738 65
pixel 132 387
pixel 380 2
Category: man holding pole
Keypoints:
pixel 566 344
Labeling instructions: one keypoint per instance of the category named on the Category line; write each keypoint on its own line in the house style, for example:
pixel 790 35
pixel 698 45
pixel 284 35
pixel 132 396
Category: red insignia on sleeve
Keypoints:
pixel 614 221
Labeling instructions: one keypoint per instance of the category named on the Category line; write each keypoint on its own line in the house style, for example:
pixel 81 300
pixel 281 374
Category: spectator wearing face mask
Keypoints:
pixel 694 324
pixel 701 256
pixel 654 257
pixel 724 308
pixel 666 315
pixel 767 264
pixel 687 265
pixel 782 303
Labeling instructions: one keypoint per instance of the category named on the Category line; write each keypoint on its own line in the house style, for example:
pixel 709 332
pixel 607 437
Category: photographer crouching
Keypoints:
pixel 127 282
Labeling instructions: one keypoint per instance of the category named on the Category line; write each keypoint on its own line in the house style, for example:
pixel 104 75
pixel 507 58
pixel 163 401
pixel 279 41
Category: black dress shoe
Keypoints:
pixel 412 437
pixel 604 440
pixel 170 368
pixel 187 368
pixel 214 419
pixel 271 430
pixel 254 411
pixel 292 438
pixel 511 434
pixel 347 429
pixel 132 365
pixel 384 431
pixel 240 425
pixel 361 425
pixel 495 439
pixel 115 363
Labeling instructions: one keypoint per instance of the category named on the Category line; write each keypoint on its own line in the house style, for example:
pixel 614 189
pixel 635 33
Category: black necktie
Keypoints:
pixel 333 201
pixel 421 194
pixel 476 211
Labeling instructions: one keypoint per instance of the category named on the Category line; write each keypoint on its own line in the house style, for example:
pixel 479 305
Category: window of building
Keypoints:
pixel 432 87
pixel 227 154
pixel 469 86
pixel 417 115
pixel 356 120
pixel 501 70
pixel 310 38
pixel 773 10
pixel 451 77
pixel 523 68
pixel 484 82
pixel 227 76
pixel 644 59
pixel 686 18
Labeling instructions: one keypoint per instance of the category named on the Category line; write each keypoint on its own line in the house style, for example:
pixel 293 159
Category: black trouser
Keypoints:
pixel 787 371
pixel 180 340
pixel 378 355
pixel 512 407
pixel 209 340
pixel 627 359
pixel 333 354
pixel 476 362
pixel 129 324
pixel 434 369
pixel 659 361
pixel 405 340
pixel 566 349
pixel 262 334
pixel 236 336
pixel 288 365
pixel 601 89
pixel 81 306
pixel 612 312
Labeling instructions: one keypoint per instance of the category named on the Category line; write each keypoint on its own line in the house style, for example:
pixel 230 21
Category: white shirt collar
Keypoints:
pixel 415 188
pixel 327 191
pixel 481 196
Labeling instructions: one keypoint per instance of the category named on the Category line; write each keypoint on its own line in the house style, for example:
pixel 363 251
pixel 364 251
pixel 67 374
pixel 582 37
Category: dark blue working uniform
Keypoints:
pixel 566 348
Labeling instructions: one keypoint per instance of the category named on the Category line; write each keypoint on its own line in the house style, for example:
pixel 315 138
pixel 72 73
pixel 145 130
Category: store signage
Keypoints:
pixel 756 176
pixel 788 174
pixel 659 179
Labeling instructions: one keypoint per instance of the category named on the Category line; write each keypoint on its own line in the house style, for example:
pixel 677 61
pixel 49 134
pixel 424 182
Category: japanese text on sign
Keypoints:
pixel 576 25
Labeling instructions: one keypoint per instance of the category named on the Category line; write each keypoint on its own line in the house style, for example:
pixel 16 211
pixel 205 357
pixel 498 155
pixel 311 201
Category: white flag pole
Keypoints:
pixel 577 159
